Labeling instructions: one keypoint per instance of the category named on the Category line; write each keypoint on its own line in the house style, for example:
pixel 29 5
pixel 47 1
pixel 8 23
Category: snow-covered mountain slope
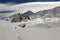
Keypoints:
pixel 38 22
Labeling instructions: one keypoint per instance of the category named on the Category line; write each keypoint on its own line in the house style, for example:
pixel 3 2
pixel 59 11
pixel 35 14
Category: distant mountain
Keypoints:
pixel 19 17
pixel 54 12
pixel 28 13
pixel 42 13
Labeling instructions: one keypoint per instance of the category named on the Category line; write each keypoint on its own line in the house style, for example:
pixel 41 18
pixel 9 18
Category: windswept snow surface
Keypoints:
pixel 36 33
pixel 7 31
pixel 40 34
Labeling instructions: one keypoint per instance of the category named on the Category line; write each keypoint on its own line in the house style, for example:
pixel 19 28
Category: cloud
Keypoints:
pixel 5 6
pixel 5 10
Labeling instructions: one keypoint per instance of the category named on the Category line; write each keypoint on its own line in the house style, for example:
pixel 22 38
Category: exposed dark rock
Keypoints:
pixel 22 25
pixel 19 17
pixel 29 13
